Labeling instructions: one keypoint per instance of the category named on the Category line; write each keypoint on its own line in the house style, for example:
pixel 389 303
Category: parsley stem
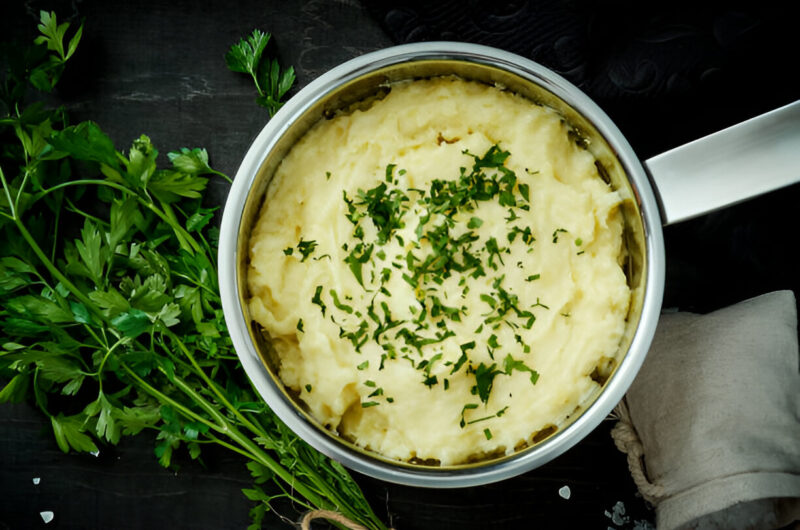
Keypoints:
pixel 102 342
pixel 211 384
pixel 223 175
pixel 331 492
pixel 227 428
pixel 212 256
pixel 103 363
pixel 21 186
pixel 201 285
pixel 249 455
pixel 37 394
pixel 166 399
pixel 56 237
pixel 8 194
pixel 169 217
pixel 227 445
pixel 54 270
pixel 72 208
pixel 249 449
pixel 255 80
pixel 186 240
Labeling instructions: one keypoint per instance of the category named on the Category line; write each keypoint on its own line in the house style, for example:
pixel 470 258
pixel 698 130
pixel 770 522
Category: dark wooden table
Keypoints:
pixel 666 75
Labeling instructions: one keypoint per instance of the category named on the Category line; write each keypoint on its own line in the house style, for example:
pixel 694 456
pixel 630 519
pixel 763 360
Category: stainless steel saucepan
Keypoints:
pixel 754 157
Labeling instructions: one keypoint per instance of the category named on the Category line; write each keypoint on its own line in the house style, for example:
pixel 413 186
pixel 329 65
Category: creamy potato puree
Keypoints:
pixel 497 344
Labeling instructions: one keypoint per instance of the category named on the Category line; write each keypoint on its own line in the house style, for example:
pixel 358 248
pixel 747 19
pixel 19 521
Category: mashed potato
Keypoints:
pixel 440 274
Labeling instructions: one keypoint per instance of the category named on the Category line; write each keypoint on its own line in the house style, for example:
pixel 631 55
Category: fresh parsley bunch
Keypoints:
pixel 110 316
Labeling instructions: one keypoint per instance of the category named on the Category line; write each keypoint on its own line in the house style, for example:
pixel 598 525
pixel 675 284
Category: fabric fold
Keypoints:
pixel 711 425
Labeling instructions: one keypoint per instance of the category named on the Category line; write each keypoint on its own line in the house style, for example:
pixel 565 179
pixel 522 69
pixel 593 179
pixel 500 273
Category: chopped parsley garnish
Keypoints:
pixel 430 380
pixel 339 305
pixel 306 248
pixel 357 258
pixel 463 358
pixel 300 325
pixel 510 364
pixel 357 337
pixel 386 210
pixel 494 250
pixel 474 222
pixel 524 190
pixel 556 232
pixel 539 304
pixel 468 406
pixel 445 241
pixel 473 406
pixel 484 380
pixel 318 300
pixel 527 236
pixel 426 366
pixel 439 309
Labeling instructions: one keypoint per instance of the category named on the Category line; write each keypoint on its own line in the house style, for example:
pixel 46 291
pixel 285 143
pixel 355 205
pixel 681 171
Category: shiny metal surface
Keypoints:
pixel 364 78
pixel 748 159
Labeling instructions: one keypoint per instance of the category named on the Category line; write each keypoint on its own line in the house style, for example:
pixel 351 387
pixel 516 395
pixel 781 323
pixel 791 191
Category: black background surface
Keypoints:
pixel 666 73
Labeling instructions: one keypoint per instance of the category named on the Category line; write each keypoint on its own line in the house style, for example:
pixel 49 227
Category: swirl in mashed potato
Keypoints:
pixel 440 274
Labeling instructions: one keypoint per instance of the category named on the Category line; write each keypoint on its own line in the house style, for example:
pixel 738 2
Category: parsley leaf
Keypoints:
pixel 271 80
pixel 53 33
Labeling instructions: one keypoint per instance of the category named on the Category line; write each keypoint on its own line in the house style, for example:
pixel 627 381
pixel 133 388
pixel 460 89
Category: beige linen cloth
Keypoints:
pixel 711 425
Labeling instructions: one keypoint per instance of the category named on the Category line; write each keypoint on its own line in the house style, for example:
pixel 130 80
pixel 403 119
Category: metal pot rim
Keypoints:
pixel 239 328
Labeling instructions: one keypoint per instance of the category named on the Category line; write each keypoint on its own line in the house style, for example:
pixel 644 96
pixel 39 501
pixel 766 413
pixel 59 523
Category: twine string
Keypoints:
pixel 305 523
pixel 627 441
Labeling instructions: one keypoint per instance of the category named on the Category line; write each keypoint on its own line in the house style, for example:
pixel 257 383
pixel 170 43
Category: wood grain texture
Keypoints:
pixel 156 67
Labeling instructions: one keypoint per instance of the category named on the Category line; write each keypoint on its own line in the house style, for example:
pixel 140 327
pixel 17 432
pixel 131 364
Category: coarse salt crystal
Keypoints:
pixel 565 492
pixel 36 481
pixel 618 517
pixel 46 516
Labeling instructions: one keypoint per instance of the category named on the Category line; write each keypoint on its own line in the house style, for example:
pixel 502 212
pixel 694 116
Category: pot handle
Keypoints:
pixel 743 161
